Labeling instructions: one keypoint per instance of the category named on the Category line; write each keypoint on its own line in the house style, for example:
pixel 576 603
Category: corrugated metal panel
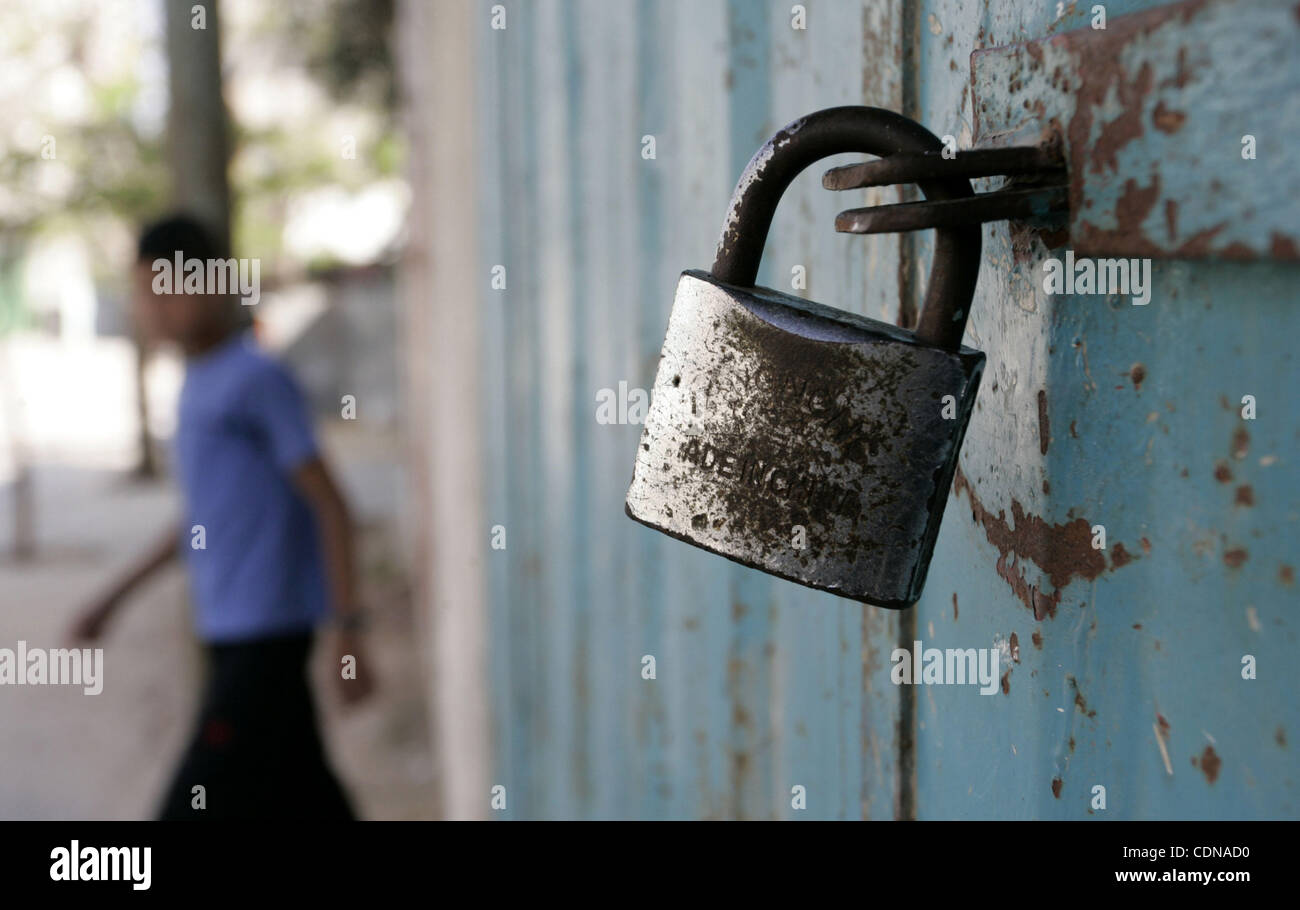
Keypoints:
pixel 1095 411
pixel 1092 412
pixel 1153 111
pixel 760 684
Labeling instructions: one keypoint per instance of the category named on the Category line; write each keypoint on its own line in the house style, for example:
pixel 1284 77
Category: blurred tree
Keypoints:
pixel 352 57
pixel 289 150
pixel 76 152
pixel 86 148
pixel 77 147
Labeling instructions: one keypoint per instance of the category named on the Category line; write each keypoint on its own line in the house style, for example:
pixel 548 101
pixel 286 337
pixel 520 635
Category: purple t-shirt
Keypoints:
pixel 243 429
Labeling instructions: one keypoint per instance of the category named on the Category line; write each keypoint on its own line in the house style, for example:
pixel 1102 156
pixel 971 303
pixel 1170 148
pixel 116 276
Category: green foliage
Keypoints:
pixel 75 72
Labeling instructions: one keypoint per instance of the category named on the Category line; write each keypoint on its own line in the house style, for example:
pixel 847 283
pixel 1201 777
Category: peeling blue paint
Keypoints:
pixel 761 685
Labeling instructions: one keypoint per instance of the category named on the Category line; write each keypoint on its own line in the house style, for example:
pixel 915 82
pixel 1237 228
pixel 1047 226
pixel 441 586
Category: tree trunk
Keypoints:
pixel 198 150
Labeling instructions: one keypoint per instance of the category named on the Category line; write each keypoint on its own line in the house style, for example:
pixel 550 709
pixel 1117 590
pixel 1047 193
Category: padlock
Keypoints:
pixel 801 440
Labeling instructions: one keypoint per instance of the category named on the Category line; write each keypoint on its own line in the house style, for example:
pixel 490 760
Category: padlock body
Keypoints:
pixel 801 440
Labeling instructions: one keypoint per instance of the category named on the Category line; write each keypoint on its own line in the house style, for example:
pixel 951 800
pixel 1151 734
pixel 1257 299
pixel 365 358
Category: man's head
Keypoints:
pixel 165 311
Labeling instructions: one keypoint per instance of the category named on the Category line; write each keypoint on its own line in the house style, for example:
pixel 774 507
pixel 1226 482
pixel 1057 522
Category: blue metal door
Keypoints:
pixel 609 137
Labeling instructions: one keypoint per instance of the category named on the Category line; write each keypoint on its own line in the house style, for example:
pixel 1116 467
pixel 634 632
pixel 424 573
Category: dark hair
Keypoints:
pixel 183 234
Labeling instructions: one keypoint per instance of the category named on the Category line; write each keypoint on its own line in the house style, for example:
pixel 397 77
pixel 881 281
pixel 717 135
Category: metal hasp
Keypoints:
pixel 1037 194
pixel 811 443
pixel 1173 123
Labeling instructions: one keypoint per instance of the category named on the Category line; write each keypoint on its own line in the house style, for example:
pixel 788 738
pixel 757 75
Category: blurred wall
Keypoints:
pixel 442 352
pixel 347 349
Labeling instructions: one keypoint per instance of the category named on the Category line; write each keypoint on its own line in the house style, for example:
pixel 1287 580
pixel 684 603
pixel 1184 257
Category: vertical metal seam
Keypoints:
pixel 580 766
pixel 905 794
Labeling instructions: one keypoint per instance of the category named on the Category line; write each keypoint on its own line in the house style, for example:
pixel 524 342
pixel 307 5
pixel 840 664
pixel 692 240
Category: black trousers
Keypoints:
pixel 256 749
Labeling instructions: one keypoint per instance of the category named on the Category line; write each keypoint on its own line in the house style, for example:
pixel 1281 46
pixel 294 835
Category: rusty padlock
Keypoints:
pixel 777 421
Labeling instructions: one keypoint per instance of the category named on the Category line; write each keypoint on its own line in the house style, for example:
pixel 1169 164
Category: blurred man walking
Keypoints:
pixel 268 543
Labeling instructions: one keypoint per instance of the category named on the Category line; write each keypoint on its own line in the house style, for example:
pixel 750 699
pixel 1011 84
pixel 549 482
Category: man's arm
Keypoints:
pixel 276 404
pixel 91 622
pixel 316 485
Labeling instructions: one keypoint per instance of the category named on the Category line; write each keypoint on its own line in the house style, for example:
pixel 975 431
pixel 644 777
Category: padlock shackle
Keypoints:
pixel 834 131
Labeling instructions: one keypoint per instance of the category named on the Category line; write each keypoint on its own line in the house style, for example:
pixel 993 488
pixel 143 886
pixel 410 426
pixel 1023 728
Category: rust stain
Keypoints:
pixel 1042 604
pixel 1286 574
pixel 1234 558
pixel 1222 473
pixel 1164 725
pixel 1137 373
pixel 1111 104
pixel 1101 80
pixel 1134 204
pixel 1037 639
pixel 1182 75
pixel 1056 787
pixel 1245 495
pixel 1237 252
pixel 1129 238
pixel 1074 430
pixel 1044 425
pixel 1240 443
pixel 1146 545
pixel 1006 683
pixel 1127 126
pixel 1279 736
pixel 1079 701
pixel 1167 120
pixel 1015 648
pixel 1210 764
pixel 1283 247
pixel 1120 556
pixel 1062 550
pixel 954 606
